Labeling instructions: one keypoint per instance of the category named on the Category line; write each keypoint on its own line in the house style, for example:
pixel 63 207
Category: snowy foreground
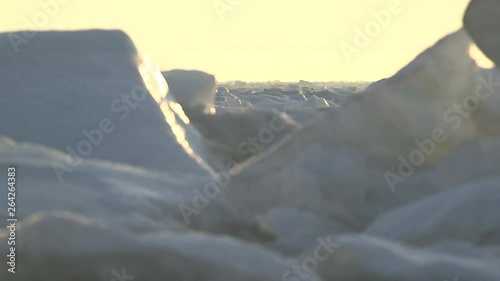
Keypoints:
pixel 123 176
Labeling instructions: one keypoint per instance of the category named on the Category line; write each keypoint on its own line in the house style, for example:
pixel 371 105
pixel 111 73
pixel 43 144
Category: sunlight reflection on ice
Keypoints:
pixel 187 137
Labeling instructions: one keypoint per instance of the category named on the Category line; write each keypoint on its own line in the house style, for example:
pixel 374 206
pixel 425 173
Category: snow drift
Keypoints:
pixel 315 183
pixel 84 93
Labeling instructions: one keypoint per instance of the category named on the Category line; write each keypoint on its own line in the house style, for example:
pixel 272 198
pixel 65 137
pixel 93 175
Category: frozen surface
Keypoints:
pixel 245 181
pixel 467 213
pixel 83 93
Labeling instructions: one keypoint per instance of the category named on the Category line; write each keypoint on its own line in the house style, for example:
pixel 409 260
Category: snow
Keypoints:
pixel 366 258
pixel 84 250
pixel 67 86
pixel 194 90
pixel 338 163
pixel 124 197
pixel 245 181
pixel 297 230
pixel 467 213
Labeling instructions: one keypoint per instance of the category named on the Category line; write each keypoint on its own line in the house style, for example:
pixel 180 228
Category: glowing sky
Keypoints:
pixel 258 40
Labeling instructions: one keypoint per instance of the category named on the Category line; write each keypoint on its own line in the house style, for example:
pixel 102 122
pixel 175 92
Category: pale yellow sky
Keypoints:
pixel 258 40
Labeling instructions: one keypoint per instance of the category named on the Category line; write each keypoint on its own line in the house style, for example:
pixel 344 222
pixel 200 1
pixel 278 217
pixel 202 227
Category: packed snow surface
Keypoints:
pixel 128 173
